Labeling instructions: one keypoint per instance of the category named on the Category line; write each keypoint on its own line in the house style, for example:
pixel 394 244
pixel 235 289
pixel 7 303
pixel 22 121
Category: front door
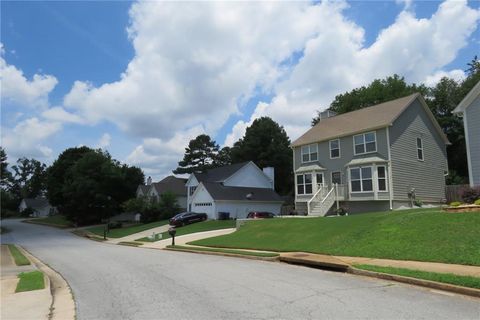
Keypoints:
pixel 320 180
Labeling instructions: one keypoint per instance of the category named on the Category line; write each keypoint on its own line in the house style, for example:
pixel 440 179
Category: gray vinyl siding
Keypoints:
pixel 472 115
pixel 427 177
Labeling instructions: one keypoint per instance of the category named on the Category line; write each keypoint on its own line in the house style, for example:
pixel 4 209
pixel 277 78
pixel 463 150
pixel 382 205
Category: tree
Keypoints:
pixel 5 174
pixel 200 155
pixel 224 157
pixel 376 92
pixel 29 178
pixel 266 144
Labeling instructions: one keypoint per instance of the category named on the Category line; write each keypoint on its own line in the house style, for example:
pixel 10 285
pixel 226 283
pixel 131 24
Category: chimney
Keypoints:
pixel 270 173
pixel 149 181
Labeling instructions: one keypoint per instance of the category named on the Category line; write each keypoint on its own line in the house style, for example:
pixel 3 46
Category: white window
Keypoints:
pixel 304 183
pixel 191 190
pixel 361 179
pixel 310 153
pixel 334 149
pixel 365 143
pixel 319 180
pixel 382 178
pixel 420 149
pixel 203 204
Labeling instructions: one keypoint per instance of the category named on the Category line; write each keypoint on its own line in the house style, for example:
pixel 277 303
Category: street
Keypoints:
pixel 118 282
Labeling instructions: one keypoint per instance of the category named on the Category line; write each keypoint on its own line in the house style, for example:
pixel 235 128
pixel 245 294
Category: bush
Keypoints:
pixel 469 195
pixel 418 203
pixel 27 212
pixel 455 204
pixel 477 202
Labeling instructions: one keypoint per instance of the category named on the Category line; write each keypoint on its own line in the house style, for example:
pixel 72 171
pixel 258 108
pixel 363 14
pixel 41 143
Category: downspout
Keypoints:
pixel 390 181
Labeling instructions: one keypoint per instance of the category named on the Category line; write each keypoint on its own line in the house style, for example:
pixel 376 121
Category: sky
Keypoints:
pixel 140 79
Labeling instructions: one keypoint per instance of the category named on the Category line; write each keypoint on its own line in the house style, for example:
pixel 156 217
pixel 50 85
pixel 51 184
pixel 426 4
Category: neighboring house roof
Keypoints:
pixel 36 203
pixel 370 118
pixel 221 192
pixel 144 188
pixel 171 184
pixel 467 101
pixel 219 174
pixel 356 162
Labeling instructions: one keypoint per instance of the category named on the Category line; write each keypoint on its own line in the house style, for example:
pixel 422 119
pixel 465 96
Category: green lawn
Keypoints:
pixel 18 257
pixel 420 234
pixel 232 251
pixel 30 281
pixel 202 226
pixel 126 231
pixel 464 281
pixel 54 221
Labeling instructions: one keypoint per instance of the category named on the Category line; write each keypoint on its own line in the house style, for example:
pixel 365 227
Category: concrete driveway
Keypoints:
pixel 117 282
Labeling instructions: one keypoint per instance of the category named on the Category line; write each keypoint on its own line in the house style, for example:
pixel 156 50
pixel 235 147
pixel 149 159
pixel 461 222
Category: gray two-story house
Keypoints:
pixel 469 109
pixel 373 159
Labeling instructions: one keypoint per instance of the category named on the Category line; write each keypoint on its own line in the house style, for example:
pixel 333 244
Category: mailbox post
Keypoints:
pixel 172 231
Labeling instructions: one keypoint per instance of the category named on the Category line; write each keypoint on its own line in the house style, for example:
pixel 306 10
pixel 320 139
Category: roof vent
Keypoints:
pixel 326 114
pixel 249 196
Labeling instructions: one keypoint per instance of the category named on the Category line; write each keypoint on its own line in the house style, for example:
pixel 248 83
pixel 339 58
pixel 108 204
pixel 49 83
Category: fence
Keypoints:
pixel 454 192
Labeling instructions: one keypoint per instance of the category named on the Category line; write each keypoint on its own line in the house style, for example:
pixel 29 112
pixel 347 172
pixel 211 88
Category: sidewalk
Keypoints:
pixel 23 305
pixel 182 240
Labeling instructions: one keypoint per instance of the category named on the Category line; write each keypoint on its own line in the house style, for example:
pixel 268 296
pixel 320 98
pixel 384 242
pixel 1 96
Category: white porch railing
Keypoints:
pixel 324 199
pixel 317 197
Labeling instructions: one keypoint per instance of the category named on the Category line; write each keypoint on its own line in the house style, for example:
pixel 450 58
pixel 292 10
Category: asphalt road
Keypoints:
pixel 117 282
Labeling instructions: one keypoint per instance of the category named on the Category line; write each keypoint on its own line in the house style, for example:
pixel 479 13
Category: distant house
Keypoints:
pixel 236 189
pixel 40 206
pixel 469 108
pixel 169 184
pixel 380 158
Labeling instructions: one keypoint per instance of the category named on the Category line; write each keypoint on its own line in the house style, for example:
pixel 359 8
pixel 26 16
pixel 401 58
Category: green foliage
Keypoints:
pixel 5 175
pixel 166 208
pixel 453 178
pixel 455 204
pixel 469 195
pixel 227 251
pixel 8 201
pixel 477 202
pixel 465 281
pixel 224 157
pixel 266 144
pixel 402 235
pixel 27 212
pixel 18 257
pixel 126 230
pixel 200 155
pixel 202 226
pixel 136 205
pixel 29 178
pixel 29 281
pixel 88 185
pixel 58 221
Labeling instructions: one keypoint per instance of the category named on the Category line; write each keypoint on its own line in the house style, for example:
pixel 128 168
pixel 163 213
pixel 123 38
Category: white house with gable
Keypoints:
pixel 236 189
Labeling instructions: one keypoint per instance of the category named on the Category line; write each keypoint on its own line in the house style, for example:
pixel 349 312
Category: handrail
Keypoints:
pixel 326 197
pixel 312 198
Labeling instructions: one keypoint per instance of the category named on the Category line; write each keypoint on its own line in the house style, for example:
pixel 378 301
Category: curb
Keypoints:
pixel 418 282
pixel 58 226
pixel 66 309
pixel 271 259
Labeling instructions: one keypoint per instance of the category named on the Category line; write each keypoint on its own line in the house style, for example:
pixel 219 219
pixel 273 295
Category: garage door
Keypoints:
pixel 205 207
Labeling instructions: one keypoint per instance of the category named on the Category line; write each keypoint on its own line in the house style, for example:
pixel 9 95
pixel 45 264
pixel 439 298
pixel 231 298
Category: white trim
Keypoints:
pixel 390 175
pixel 386 179
pixel 421 148
pixel 267 178
pixel 309 152
pixel 469 159
pixel 304 184
pixel 468 99
pixel 364 143
pixel 330 149
pixel 361 183
pixel 316 181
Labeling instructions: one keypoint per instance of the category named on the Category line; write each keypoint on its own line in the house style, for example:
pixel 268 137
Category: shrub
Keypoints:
pixel 455 204
pixel 27 212
pixel 469 195
pixel 477 202
pixel 418 203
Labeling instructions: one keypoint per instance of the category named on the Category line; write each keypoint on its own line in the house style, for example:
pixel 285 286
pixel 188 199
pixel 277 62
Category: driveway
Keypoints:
pixel 117 282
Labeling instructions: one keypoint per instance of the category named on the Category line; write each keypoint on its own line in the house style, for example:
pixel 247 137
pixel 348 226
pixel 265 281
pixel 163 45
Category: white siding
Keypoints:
pixel 249 176
pixel 202 196
pixel 472 131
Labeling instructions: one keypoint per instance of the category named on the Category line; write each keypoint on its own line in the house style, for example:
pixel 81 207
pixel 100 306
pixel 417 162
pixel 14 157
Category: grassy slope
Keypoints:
pixel 202 226
pixel 30 281
pixel 18 257
pixel 424 235
pixel 232 251
pixel 464 281
pixel 123 232
pixel 56 221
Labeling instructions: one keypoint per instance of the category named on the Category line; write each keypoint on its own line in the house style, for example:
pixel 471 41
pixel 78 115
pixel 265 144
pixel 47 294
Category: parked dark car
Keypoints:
pixel 184 218
pixel 260 215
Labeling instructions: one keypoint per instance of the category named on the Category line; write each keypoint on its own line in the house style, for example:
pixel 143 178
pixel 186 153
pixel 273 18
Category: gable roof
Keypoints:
pixel 220 192
pixel 36 203
pixel 171 184
pixel 144 188
pixel 467 101
pixel 219 174
pixel 365 119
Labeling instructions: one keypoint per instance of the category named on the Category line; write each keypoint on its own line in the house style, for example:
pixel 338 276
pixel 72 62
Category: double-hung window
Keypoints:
pixel 334 148
pixel 304 183
pixel 310 153
pixel 361 179
pixel 191 190
pixel 382 178
pixel 420 149
pixel 365 143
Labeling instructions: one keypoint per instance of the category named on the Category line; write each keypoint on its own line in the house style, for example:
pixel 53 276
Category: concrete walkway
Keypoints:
pixel 138 235
pixel 182 240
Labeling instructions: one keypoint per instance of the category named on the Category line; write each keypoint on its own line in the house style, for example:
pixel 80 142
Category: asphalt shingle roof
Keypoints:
pixel 171 184
pixel 219 174
pixel 220 192
pixel 36 203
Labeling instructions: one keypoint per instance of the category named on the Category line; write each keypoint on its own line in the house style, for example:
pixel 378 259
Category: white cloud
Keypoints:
pixel 335 61
pixel 26 138
pixel 433 79
pixel 104 141
pixel 59 114
pixel 20 90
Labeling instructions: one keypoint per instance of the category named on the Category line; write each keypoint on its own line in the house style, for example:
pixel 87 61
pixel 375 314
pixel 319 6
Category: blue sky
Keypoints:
pixel 192 70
